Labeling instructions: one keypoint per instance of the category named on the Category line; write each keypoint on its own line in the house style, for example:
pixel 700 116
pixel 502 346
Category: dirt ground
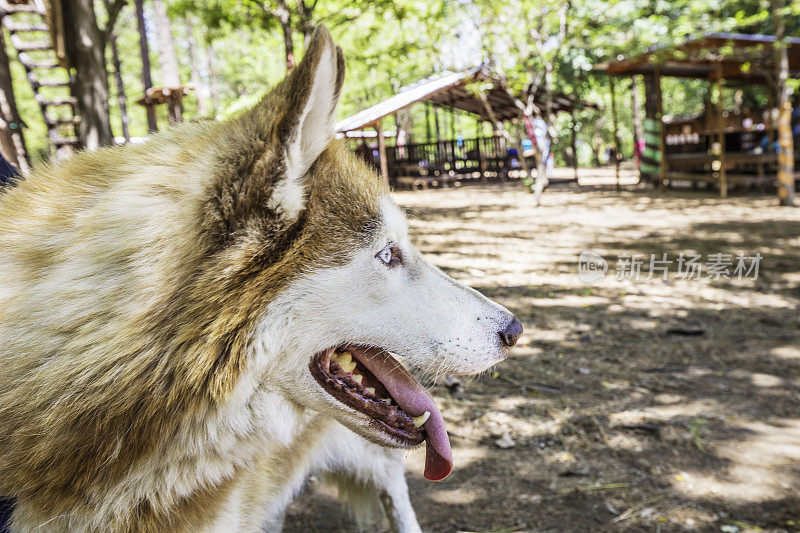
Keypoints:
pixel 628 405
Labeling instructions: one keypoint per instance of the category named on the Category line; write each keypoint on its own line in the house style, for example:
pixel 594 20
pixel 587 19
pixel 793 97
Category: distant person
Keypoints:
pixel 8 173
pixel 638 150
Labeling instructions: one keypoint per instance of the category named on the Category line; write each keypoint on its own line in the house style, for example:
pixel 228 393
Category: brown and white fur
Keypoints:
pixel 160 303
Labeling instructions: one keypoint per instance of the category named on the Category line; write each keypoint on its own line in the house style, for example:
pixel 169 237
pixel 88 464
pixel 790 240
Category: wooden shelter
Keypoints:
pixel 172 97
pixel 441 159
pixel 718 146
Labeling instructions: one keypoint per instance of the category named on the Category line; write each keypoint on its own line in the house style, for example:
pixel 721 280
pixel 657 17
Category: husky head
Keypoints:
pixel 314 235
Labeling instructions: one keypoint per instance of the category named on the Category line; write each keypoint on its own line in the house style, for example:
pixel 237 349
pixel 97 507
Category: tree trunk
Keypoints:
pixel 200 88
pixel 574 144
pixel 305 23
pixel 85 49
pixel 144 49
pixel 428 134
pixel 12 142
pixel 282 13
pixel 403 118
pixel 121 98
pixel 213 79
pixel 650 166
pixel 406 124
pixel 542 179
pixel 617 154
pixel 784 111
pixel 516 142
pixel 170 72
pixel 382 152
pixel 549 116
pixel 436 124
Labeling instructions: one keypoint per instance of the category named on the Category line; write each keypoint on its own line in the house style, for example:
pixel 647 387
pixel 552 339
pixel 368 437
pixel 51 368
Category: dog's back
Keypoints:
pixel 92 251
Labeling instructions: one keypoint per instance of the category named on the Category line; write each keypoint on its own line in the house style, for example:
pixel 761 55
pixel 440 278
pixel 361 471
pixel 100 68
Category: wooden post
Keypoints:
pixel 382 152
pixel 662 173
pixel 573 142
pixel 720 131
pixel 617 155
pixel 438 164
pixel 638 128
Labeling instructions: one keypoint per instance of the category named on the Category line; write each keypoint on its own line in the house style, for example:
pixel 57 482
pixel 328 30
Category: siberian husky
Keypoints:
pixel 192 325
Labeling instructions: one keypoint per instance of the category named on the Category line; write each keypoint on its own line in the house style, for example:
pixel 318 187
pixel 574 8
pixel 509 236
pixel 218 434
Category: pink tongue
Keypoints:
pixel 414 399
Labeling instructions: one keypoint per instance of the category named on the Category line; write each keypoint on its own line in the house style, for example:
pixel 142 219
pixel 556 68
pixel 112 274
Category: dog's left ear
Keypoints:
pixel 307 125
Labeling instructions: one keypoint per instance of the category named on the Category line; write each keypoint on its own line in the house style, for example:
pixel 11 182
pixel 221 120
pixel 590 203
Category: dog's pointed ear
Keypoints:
pixel 313 87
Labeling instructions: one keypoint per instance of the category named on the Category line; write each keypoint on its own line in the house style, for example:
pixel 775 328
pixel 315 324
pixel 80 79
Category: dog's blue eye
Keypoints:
pixel 390 255
pixel 386 255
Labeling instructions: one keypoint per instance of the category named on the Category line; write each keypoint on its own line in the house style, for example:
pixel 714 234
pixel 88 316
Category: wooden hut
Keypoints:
pixel 723 147
pixel 444 156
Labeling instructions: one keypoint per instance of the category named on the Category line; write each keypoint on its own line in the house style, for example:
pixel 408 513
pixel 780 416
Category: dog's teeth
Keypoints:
pixel 370 390
pixel 357 378
pixel 345 361
pixel 419 420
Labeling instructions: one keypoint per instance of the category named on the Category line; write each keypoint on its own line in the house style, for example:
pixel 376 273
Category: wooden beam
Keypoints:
pixel 382 152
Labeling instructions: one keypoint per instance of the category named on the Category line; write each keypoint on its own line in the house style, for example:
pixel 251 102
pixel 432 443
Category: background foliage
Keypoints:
pixel 389 44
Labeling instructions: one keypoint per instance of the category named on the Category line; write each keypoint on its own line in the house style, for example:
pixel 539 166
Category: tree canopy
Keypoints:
pixel 233 51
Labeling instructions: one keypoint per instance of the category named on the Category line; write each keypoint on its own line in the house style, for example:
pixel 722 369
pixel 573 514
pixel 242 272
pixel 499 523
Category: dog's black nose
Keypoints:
pixel 510 334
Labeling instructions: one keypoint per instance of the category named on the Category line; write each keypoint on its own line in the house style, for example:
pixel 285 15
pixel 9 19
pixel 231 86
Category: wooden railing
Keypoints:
pixel 452 156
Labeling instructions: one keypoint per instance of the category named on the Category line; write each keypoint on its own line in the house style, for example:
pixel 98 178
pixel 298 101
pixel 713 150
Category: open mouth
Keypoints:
pixel 372 382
